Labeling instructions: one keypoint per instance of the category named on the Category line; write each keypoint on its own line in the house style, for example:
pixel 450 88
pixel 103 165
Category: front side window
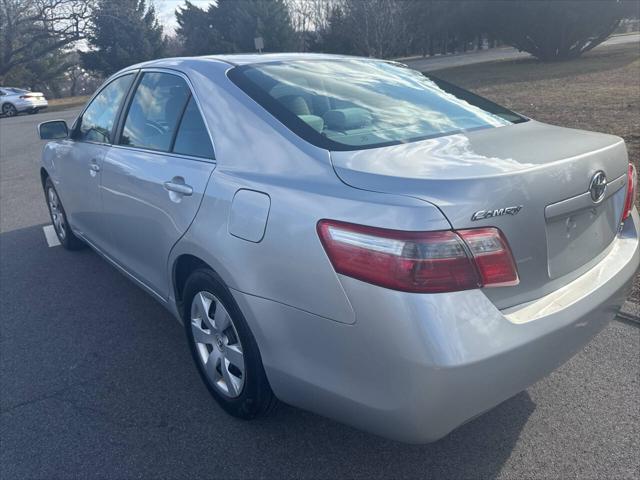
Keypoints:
pixel 98 119
pixel 155 111
pixel 356 104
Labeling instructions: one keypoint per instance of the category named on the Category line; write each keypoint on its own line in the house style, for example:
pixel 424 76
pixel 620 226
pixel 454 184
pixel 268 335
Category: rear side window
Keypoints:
pixel 155 111
pixel 192 138
pixel 98 119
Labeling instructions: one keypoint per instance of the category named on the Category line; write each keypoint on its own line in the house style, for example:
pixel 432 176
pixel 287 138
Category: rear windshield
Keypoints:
pixel 358 104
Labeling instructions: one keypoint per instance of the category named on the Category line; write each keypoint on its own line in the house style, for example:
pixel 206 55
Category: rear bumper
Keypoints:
pixel 414 367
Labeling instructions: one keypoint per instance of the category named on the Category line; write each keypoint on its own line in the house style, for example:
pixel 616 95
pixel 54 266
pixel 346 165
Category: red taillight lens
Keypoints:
pixel 632 185
pixel 492 255
pixel 423 262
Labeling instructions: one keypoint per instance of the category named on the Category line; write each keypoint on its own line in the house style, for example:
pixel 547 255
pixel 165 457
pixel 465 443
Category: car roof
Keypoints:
pixel 254 58
pixel 244 59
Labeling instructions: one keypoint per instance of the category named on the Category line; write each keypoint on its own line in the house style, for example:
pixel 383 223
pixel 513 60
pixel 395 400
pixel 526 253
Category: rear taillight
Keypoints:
pixel 492 255
pixel 632 185
pixel 422 262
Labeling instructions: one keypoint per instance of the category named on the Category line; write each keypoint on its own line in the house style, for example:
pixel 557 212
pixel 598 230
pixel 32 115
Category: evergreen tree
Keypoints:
pixel 554 29
pixel 242 20
pixel 123 32
pixel 197 30
pixel 229 26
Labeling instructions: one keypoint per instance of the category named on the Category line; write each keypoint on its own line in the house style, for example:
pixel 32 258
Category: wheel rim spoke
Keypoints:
pixel 228 378
pixel 202 305
pixel 221 318
pixel 211 364
pixel 200 336
pixel 235 356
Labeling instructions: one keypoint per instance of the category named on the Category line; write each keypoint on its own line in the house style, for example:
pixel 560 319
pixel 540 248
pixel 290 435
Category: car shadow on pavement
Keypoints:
pixel 97 380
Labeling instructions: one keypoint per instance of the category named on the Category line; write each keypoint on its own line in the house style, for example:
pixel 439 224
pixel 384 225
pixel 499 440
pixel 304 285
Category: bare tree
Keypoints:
pixel 378 26
pixel 30 29
pixel 308 18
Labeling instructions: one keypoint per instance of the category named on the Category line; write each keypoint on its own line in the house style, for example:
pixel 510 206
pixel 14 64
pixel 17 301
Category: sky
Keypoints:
pixel 166 11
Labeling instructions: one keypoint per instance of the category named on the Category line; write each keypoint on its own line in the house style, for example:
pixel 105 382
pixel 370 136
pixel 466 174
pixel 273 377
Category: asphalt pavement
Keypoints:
pixel 96 382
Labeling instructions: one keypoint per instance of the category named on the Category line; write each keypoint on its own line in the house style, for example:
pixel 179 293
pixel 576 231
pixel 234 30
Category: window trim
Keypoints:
pixel 129 99
pixel 78 121
pixel 172 145
pixel 159 152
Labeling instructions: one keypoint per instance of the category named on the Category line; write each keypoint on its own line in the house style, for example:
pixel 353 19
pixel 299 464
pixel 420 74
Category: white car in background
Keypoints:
pixel 16 100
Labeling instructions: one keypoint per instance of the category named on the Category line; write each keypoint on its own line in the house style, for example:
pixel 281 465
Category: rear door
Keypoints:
pixel 153 181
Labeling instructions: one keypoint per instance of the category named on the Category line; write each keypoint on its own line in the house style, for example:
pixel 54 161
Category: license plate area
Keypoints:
pixel 576 236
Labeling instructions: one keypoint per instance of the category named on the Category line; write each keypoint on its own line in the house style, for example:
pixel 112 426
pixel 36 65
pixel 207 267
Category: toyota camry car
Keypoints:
pixel 347 235
pixel 17 100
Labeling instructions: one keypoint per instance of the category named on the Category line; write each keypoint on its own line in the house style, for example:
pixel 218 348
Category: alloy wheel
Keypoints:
pixel 217 344
pixel 57 215
pixel 9 110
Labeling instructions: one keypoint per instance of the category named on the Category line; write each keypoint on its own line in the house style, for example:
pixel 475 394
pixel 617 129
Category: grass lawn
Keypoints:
pixel 599 92
pixel 68 102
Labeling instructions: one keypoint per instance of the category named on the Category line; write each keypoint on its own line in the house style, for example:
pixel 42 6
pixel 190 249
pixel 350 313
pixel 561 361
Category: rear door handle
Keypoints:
pixel 181 188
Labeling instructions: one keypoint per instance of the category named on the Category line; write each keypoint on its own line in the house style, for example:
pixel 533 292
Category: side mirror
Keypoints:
pixel 53 130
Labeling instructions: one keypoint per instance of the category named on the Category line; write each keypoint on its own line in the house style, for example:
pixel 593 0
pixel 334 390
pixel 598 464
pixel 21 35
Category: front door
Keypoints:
pixel 154 180
pixel 80 170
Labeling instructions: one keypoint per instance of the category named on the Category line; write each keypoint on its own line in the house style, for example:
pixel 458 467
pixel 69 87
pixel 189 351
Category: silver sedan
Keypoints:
pixel 348 235
pixel 17 100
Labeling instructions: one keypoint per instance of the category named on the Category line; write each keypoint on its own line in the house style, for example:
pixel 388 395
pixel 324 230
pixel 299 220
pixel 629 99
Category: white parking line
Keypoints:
pixel 50 235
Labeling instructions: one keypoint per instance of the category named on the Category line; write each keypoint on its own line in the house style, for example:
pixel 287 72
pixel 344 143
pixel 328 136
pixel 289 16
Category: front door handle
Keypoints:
pixel 178 187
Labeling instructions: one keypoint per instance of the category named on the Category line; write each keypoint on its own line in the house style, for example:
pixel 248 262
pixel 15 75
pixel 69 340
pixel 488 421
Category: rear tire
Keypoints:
pixel 224 349
pixel 59 218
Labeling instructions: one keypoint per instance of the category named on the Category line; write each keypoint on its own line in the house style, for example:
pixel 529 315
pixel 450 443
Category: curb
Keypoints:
pixel 630 311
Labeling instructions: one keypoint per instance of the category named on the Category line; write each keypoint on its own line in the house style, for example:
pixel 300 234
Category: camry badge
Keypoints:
pixel 482 214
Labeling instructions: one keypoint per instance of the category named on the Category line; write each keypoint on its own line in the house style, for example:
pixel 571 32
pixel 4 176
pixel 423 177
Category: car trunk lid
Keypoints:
pixel 530 180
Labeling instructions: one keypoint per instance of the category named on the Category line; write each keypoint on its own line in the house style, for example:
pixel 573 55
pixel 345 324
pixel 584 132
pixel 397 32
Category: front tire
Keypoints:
pixel 59 218
pixel 224 348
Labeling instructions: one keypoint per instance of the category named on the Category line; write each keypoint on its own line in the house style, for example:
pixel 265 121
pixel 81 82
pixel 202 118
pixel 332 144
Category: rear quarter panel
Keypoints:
pixel 254 151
